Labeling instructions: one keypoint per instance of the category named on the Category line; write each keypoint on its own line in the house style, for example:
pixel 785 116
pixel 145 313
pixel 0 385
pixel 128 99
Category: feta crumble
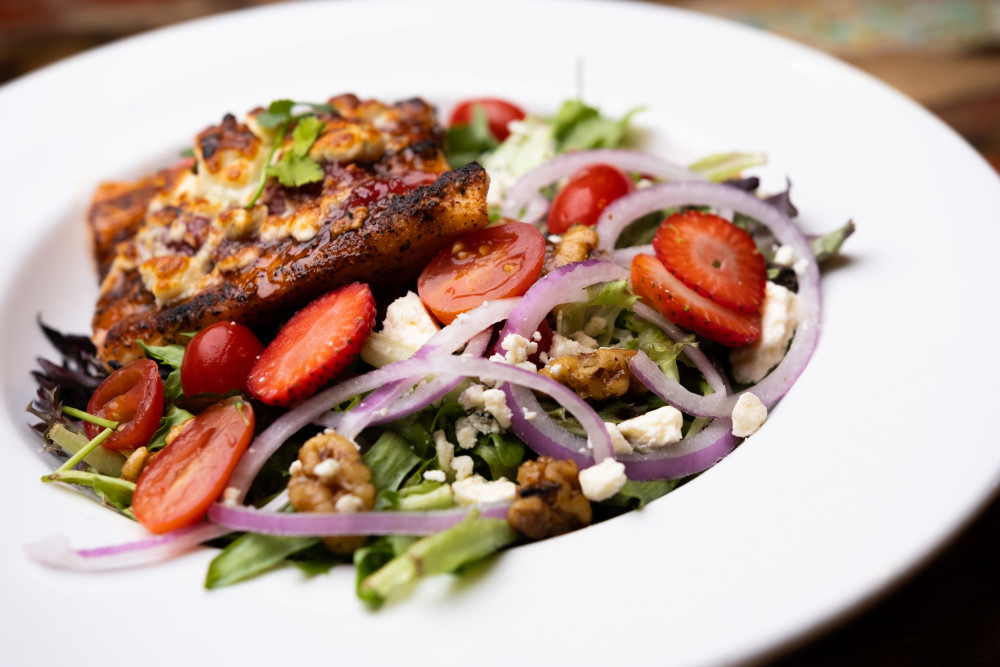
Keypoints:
pixel 462 465
pixel 618 441
pixel 476 489
pixel 601 481
pixel 445 450
pixel 748 415
pixel 578 343
pixel 657 428
pixel 348 504
pixel 407 321
pixel 435 475
pixel 492 401
pixel 784 256
pixel 779 317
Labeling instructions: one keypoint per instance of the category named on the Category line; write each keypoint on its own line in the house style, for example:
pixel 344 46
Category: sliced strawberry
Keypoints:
pixel 686 308
pixel 713 257
pixel 314 346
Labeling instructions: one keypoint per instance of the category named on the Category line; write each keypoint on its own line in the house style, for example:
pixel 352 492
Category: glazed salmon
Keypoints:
pixel 205 250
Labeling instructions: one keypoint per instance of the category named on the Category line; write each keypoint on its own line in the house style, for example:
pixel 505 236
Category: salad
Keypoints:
pixel 621 325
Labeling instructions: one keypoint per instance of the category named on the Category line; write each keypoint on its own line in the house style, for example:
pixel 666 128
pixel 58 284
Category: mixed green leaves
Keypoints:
pixel 465 143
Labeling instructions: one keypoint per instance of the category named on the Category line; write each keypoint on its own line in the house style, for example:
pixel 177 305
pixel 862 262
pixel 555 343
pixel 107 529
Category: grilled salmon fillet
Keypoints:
pixel 204 249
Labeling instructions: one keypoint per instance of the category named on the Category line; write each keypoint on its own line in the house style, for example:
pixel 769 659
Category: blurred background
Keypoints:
pixel 945 54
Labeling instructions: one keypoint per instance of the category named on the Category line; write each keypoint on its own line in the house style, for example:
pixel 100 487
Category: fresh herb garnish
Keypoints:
pixel 295 168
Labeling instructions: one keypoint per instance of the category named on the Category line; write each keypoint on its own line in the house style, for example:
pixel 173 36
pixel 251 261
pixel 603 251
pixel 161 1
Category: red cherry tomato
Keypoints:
pixel 133 397
pixel 492 263
pixel 586 195
pixel 498 114
pixel 219 359
pixel 178 487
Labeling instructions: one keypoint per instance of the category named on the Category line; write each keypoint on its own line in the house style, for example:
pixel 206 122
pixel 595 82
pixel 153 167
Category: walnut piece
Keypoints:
pixel 135 464
pixel 576 245
pixel 549 501
pixel 600 374
pixel 330 476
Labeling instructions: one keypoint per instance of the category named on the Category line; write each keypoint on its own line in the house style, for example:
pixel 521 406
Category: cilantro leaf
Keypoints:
pixel 294 170
pixel 305 134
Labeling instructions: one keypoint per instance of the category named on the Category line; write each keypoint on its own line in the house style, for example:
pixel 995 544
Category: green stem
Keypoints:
pixel 87 417
pixel 91 446
pixel 278 140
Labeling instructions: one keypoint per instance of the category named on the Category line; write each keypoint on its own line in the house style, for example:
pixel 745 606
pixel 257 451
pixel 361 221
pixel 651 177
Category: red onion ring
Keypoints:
pixel 55 551
pixel 623 211
pixel 524 195
pixel 248 519
pixel 412 369
pixel 687 457
pixel 310 410
pixel 388 403
pixel 674 393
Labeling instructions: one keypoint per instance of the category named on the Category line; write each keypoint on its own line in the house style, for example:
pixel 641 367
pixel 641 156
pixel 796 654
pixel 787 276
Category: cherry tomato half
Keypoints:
pixel 492 263
pixel 586 195
pixel 498 114
pixel 133 397
pixel 178 487
pixel 219 358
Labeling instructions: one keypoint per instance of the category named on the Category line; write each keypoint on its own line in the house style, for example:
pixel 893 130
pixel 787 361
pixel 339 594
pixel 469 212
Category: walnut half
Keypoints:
pixel 600 374
pixel 329 476
pixel 549 501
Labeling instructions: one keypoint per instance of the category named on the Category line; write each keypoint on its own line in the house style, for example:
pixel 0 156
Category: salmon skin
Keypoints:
pixel 204 250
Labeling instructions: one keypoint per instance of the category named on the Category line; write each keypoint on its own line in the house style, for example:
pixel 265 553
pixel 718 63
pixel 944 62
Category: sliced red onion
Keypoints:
pixel 525 202
pixel 321 524
pixel 623 211
pixel 687 457
pixel 716 380
pixel 624 256
pixel 674 393
pixel 411 369
pixel 55 551
pixel 385 405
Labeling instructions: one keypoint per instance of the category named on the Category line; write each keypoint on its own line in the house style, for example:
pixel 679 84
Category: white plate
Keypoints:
pixel 875 459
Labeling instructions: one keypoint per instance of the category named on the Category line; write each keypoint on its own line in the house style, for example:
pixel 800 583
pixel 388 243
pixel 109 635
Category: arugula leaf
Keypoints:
pixel 171 355
pixel 578 126
pixel 657 345
pixel 117 491
pixel 391 459
pixel 723 166
pixel 465 143
pixel 250 554
pixel 468 541
pixel 828 244
pixel 172 418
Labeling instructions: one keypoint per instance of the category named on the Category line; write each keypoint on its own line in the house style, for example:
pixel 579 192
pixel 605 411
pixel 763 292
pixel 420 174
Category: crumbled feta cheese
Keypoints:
pixel 348 504
pixel 578 343
pixel 231 496
pixel 748 415
pixel 445 450
pixel 435 475
pixel 462 465
pixel 407 321
pixel 784 256
pixel 476 489
pixel 530 415
pixel 518 348
pixel 326 470
pixel 779 317
pixel 468 428
pixel 595 326
pixel 537 337
pixel 554 239
pixel 601 481
pixel 658 428
pixel 618 441
pixel 800 266
pixel 493 401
